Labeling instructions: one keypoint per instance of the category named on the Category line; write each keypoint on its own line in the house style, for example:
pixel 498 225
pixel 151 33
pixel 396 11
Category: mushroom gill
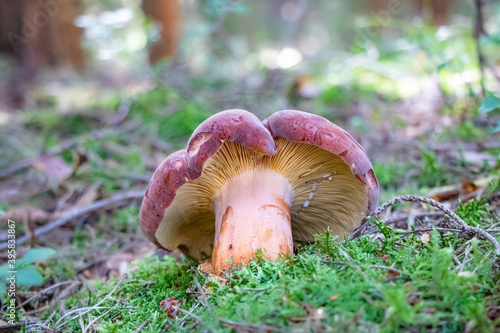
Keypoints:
pixel 299 192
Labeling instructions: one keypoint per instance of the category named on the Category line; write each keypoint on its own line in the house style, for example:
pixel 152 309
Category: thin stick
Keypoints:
pixel 458 223
pixel 79 311
pixel 38 294
pixel 95 307
pixel 95 134
pixel 43 308
pixel 429 229
pixel 94 320
pixel 392 269
pixel 190 314
pixel 114 200
pixel 141 326
pixel 258 327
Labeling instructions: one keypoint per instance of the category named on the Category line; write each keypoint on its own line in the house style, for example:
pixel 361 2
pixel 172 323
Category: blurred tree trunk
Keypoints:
pixel 167 14
pixel 41 33
pixel 37 34
pixel 439 9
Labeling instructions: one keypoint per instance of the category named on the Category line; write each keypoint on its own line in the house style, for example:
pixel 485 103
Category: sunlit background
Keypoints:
pixel 391 44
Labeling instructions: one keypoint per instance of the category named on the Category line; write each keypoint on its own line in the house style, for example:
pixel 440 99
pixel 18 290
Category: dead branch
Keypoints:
pixel 45 291
pixel 91 308
pixel 250 327
pixel 389 268
pixel 114 200
pixel 141 326
pixel 456 222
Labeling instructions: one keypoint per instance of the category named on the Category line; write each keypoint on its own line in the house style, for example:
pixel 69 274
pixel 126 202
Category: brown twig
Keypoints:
pixel 389 268
pixel 44 291
pixel 141 326
pixel 402 216
pixel 79 211
pixel 91 308
pixel 95 134
pixel 89 326
pixel 429 229
pixel 455 223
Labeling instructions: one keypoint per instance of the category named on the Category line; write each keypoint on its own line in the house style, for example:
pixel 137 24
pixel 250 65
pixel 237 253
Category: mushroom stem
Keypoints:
pixel 252 211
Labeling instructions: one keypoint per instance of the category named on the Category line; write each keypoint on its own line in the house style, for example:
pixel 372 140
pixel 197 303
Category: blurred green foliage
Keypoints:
pixel 24 272
pixel 432 173
pixel 491 103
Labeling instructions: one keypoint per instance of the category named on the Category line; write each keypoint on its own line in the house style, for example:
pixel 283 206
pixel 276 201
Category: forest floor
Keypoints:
pixel 72 180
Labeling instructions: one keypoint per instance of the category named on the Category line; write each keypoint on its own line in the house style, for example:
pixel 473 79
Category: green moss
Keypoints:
pixel 326 285
pixel 391 174
pixel 476 213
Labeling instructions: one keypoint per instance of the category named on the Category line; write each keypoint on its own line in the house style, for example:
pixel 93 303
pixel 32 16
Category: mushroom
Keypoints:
pixel 243 184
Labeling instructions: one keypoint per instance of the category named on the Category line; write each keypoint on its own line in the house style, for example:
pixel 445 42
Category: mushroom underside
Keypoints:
pixel 303 190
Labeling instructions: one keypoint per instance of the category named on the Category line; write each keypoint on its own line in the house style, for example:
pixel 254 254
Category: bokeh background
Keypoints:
pixel 95 94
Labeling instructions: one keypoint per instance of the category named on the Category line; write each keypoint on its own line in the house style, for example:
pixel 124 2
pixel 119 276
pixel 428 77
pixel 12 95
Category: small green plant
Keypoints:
pixel 387 232
pixel 474 212
pixel 334 95
pixel 490 103
pixel 390 175
pixel 466 131
pixel 126 220
pixel 432 174
pixel 111 327
pixel 26 274
pixel 404 284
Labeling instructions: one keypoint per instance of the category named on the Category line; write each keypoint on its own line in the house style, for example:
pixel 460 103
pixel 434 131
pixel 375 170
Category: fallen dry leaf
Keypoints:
pixel 26 212
pixel 493 312
pixel 206 267
pixel 391 275
pixel 88 274
pixel 429 311
pixel 468 187
pixel 120 264
pixel 384 257
pixel 54 167
pixel 455 191
pixel 414 298
pixel 90 195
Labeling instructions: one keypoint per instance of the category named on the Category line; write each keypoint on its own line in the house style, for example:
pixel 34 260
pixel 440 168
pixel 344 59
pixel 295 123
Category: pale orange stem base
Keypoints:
pixel 252 211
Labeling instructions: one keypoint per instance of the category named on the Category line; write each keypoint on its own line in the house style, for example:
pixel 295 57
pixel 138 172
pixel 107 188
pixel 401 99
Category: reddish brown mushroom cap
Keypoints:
pixel 242 184
pixel 171 174
pixel 183 166
pixel 303 127
pixel 227 126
